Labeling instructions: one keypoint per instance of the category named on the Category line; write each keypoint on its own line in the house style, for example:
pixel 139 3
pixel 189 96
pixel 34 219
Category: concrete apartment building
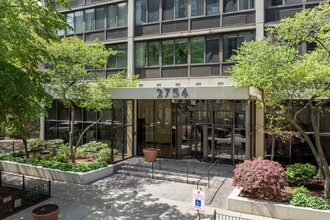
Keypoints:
pixel 184 105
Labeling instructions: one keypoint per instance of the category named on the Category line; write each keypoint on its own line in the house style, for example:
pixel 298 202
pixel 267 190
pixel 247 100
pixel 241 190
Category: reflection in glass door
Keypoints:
pixel 199 141
pixel 187 141
pixel 223 149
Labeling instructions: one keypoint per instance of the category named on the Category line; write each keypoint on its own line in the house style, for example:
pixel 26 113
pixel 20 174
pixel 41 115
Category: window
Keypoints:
pixel 235 5
pixel 292 2
pixel 197 50
pixel 181 51
pixel 197 7
pixel 175 9
pixel 234 41
pixel 153 53
pixel 212 49
pixel 146 11
pixel 120 59
pixel 277 2
pixel 89 19
pixel 168 52
pixel 99 18
pixel 70 21
pixel 122 14
pixel 147 54
pixel 212 7
pixel 140 54
pixel 78 21
pixel 117 15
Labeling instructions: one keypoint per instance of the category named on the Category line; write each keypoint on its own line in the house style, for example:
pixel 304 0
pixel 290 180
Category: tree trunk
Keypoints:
pixel 25 147
pixel 84 132
pixel 71 133
pixel 327 187
pixel 273 147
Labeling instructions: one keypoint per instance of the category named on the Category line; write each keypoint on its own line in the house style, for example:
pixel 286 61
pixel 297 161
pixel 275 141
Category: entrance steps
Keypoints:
pixel 145 170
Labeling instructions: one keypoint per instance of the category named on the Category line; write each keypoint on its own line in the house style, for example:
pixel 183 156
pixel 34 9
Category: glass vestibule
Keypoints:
pixel 203 129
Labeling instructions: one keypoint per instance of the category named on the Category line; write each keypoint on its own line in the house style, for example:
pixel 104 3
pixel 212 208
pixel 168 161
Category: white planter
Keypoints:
pixel 53 174
pixel 273 209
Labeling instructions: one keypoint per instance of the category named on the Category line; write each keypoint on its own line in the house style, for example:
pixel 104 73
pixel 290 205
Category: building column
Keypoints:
pixel 42 128
pixel 260 116
pixel 130 37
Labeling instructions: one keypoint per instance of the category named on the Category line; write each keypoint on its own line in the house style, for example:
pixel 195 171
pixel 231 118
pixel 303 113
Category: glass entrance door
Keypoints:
pixel 223 139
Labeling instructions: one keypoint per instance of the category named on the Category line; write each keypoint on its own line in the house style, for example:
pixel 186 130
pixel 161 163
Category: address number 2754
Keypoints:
pixel 171 92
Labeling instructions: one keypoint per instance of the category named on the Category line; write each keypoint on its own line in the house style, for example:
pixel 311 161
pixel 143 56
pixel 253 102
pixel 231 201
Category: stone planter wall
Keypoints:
pixel 273 209
pixel 53 174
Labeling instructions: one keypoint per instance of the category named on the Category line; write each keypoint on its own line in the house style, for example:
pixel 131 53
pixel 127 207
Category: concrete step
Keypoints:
pixel 163 176
pixel 162 171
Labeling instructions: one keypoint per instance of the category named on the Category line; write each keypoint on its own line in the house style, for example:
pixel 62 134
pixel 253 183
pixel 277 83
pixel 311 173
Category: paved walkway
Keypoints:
pixel 126 197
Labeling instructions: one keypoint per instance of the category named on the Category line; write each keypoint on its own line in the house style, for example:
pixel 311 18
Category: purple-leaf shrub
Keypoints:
pixel 259 175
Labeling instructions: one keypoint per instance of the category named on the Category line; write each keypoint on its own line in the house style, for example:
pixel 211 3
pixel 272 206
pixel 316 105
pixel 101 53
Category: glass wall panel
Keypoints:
pixel 140 11
pixel 240 145
pixel 184 112
pixel 62 112
pixel 52 111
pixel 163 139
pixel 197 50
pixel 78 21
pixel 245 36
pixel 145 112
pixel 89 19
pixel 325 142
pixel 277 2
pixel 50 130
pixel 104 131
pixel 163 112
pixel 223 113
pixel 230 5
pixel 112 58
pixel 106 116
pixel 78 113
pixel 181 51
pixel 90 134
pixel 153 12
pixel 63 131
pixel 240 112
pixel 99 19
pixel 223 148
pixel 292 2
pixel 112 23
pixel 246 4
pixel 325 120
pixel 181 8
pixel 212 7
pixel 168 9
pixel 212 49
pixel 89 115
pixel 70 21
pixel 118 143
pixel 122 55
pixel 168 52
pixel 197 7
pixel 153 53
pixel 122 14
pixel 140 54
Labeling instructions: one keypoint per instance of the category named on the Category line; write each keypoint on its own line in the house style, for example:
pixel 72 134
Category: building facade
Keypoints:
pixel 184 105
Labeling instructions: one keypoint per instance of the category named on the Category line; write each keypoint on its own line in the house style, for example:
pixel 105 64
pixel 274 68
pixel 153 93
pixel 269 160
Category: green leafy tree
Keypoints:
pixel 287 83
pixel 67 68
pixel 25 27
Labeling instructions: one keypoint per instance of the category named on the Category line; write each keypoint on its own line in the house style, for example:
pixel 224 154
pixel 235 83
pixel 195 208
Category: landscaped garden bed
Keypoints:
pixel 51 160
pixel 267 189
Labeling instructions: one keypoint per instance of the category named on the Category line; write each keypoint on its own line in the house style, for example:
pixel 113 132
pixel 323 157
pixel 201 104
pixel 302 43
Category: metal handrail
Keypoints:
pixel 187 166
pixel 208 173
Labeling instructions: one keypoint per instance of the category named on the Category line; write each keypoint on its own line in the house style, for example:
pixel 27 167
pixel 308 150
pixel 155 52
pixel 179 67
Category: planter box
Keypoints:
pixel 53 174
pixel 273 209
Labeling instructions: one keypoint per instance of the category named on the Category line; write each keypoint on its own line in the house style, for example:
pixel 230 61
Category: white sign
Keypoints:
pixel 198 201
pixel 18 203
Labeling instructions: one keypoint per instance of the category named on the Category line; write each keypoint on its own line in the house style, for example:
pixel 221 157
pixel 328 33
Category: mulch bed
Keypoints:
pixel 316 189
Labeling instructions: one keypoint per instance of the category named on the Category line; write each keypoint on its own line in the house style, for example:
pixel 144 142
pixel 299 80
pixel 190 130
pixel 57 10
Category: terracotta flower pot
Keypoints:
pixel 150 154
pixel 46 212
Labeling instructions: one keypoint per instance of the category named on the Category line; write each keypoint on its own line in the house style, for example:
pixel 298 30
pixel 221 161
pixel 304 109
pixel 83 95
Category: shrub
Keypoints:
pixel 318 175
pixel 60 157
pixel 300 174
pixel 32 196
pixel 301 200
pixel 36 145
pixel 49 156
pixel 64 149
pixel 36 156
pixel 259 175
pixel 300 189
pixel 105 154
pixel 81 153
pixel 54 144
pixel 94 146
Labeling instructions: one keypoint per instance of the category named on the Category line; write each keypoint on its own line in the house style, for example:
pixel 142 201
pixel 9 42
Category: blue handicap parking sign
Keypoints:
pixel 198 203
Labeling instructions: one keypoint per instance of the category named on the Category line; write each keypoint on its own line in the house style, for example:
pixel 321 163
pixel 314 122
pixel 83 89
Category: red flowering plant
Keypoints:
pixel 260 176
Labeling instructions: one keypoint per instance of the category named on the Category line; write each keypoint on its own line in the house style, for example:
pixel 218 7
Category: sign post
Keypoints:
pixel 198 202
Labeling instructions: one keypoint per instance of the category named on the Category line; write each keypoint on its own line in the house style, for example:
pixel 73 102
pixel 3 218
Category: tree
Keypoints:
pixel 71 61
pixel 290 84
pixel 25 27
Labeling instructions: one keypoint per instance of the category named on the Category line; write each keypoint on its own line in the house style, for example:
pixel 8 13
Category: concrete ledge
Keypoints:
pixel 53 174
pixel 273 209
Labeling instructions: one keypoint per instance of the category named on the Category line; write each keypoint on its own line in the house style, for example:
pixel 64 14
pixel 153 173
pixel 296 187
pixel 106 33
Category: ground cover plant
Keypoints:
pixel 300 174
